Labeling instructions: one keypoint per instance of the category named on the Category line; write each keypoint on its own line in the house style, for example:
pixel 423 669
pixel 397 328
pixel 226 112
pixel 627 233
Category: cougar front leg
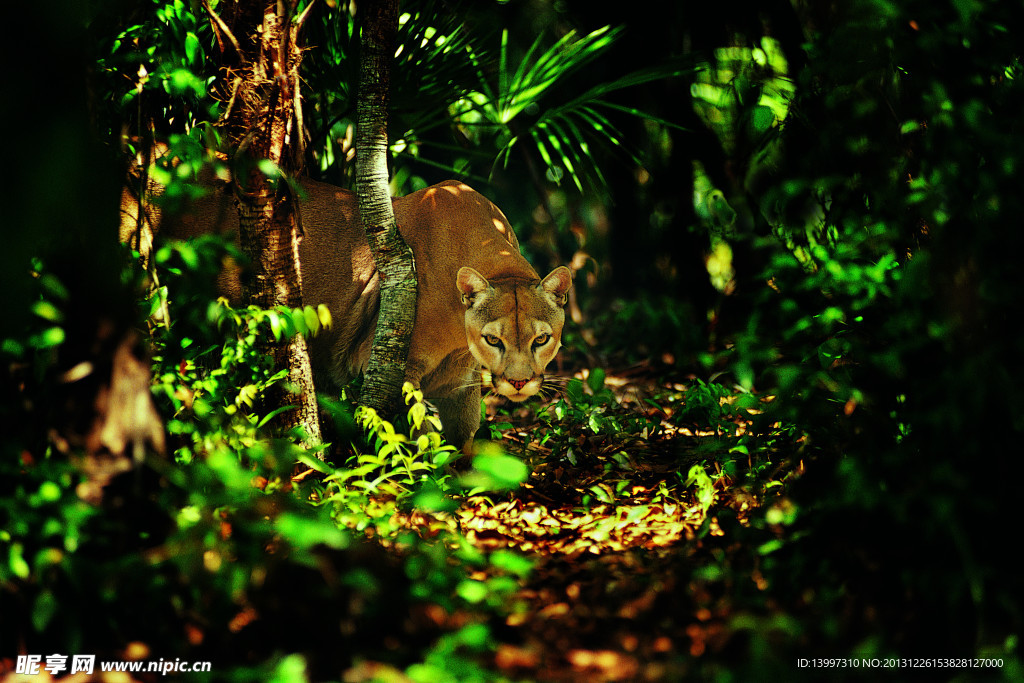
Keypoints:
pixel 460 416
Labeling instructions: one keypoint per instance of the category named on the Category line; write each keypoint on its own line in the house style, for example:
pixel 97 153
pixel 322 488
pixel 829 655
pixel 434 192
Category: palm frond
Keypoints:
pixel 535 77
pixel 431 70
pixel 565 136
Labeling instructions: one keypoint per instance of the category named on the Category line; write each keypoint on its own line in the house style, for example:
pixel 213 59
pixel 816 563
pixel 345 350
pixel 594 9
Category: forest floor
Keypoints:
pixel 635 556
pixel 633 552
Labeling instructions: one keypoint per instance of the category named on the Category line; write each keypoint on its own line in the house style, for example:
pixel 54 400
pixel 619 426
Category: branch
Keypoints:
pixel 220 27
pixel 302 17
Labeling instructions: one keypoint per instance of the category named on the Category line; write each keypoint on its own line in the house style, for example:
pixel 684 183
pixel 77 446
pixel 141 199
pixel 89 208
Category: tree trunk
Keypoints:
pixel 265 121
pixel 385 372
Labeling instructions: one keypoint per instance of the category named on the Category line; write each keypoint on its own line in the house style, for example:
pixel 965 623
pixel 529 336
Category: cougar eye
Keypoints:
pixel 493 341
pixel 541 340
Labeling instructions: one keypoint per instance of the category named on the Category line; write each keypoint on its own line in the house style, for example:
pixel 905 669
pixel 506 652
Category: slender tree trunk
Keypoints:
pixel 265 120
pixel 392 256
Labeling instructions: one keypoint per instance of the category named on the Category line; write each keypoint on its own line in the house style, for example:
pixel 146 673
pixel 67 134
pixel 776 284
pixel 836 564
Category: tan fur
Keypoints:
pixel 474 286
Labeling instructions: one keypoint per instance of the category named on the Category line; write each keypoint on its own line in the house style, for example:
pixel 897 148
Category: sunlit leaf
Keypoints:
pixel 496 471
pixel 47 311
pixel 472 591
pixel 306 532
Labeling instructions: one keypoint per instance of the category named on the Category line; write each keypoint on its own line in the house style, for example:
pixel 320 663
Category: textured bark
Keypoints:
pixel 264 119
pixel 386 369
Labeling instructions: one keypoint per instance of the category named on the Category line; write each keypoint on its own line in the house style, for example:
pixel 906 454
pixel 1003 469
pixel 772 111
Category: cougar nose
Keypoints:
pixel 518 383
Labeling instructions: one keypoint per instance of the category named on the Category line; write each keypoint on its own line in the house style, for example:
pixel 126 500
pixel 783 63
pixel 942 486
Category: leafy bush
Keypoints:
pixel 209 368
pixel 878 289
pixel 200 557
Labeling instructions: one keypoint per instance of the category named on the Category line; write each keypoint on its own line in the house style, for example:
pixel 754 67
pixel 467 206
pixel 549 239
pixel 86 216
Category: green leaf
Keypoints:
pixel 291 669
pixel 193 51
pixel 705 487
pixel 574 390
pixel 472 591
pixel 305 532
pixel 417 413
pixel 602 493
pixel 246 394
pixel 49 492
pixel 494 470
pixel 275 324
pixel 269 168
pixel 48 338
pixel 474 636
pixel 294 321
pixel 309 314
pixel 272 414
pixel 595 380
pixel 324 315
pixel 511 562
pixel 430 498
pixel 16 561
pixel 230 471
pixel 182 82
pixel 47 311
pixel 43 610
pixel 762 119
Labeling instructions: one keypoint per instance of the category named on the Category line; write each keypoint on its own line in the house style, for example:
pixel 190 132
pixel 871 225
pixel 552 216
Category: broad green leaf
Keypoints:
pixel 312 319
pixel 324 314
pixel 47 339
pixel 304 531
pixel 574 391
pixel 430 498
pixel 512 562
pixel 47 311
pixel 417 412
pixel 193 51
pixel 16 561
pixel 291 669
pixel 496 471
pixel 275 324
pixel 471 591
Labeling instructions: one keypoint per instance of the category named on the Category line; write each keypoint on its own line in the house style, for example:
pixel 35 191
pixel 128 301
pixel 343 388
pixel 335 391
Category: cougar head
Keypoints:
pixel 514 327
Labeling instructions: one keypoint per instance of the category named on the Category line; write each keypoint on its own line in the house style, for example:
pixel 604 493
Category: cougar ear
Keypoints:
pixel 470 283
pixel 557 284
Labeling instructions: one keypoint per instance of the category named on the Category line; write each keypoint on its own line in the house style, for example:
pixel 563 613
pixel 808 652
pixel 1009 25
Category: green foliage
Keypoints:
pixel 508 113
pixel 491 106
pixel 705 488
pixel 870 212
pixel 210 372
pixel 494 470
pixel 743 94
pixel 633 330
pixel 46 331
pixel 94 556
pixel 213 539
pixel 705 406
pixel 162 65
pixel 456 657
pixel 857 188
pixel 591 404
pixel 395 472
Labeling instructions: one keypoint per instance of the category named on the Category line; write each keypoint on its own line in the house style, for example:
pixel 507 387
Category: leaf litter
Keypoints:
pixel 633 562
